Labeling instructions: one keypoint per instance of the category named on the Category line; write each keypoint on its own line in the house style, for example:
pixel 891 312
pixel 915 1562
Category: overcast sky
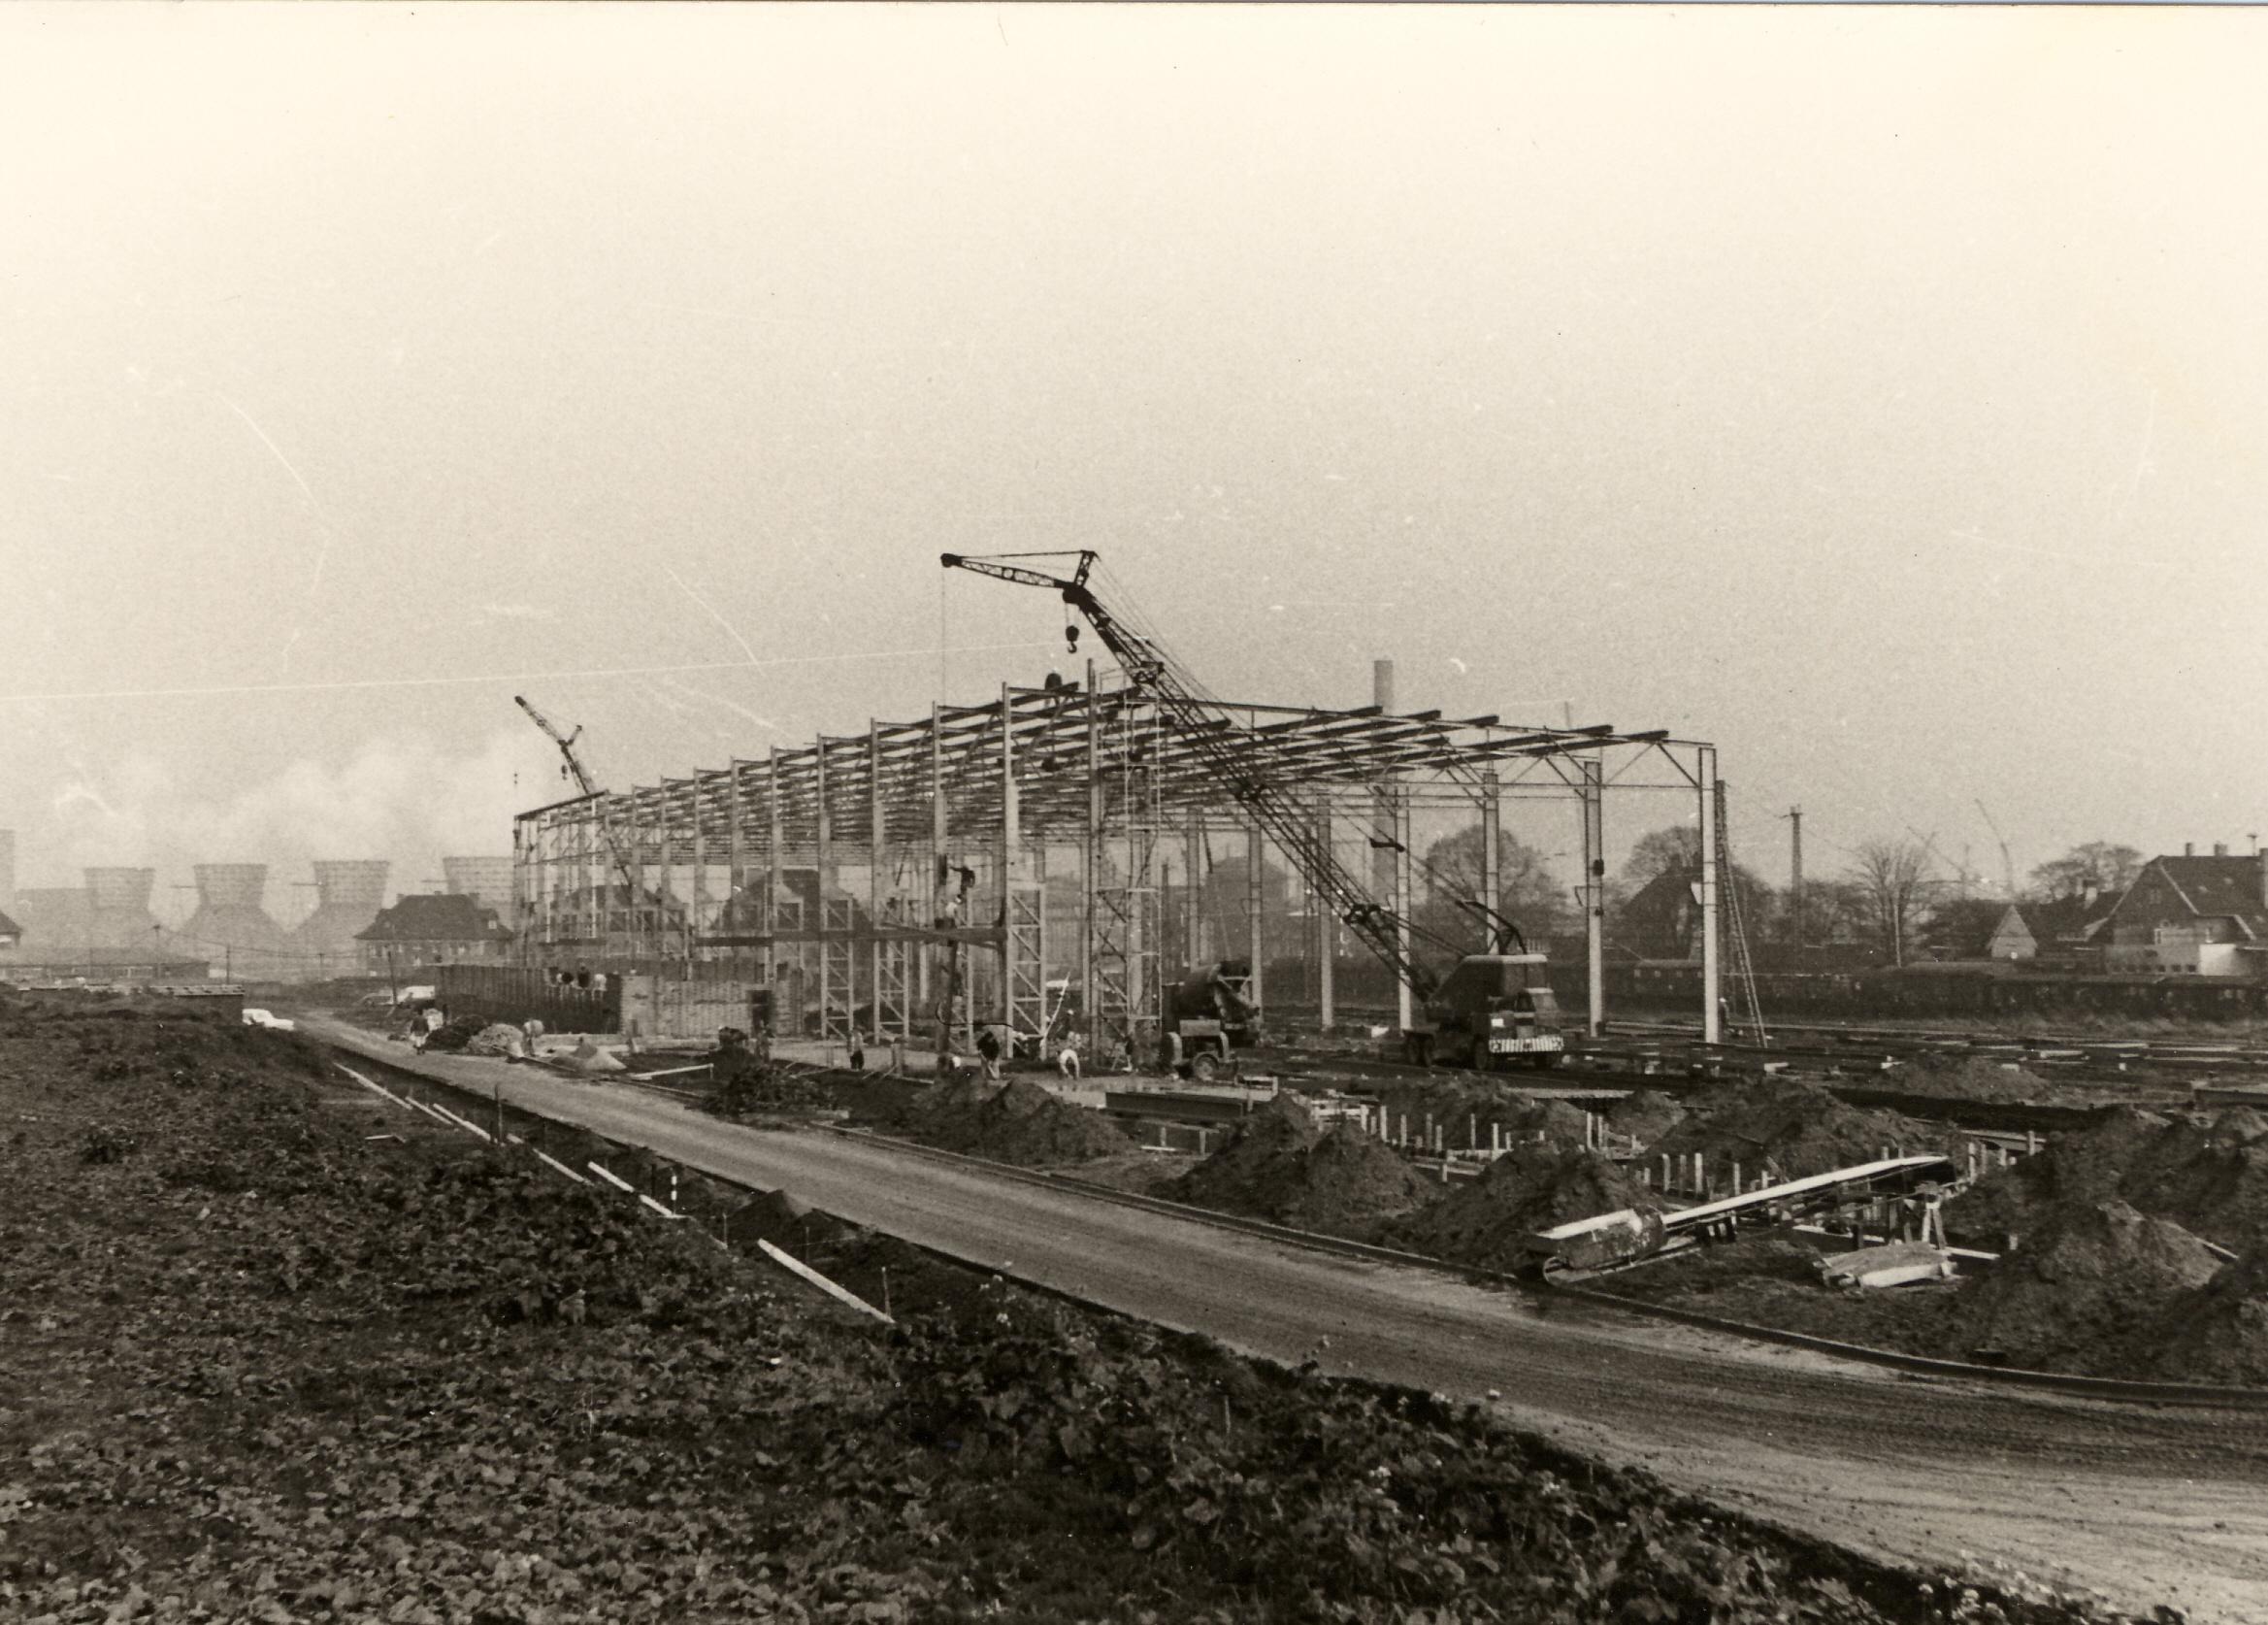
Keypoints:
pixel 1880 393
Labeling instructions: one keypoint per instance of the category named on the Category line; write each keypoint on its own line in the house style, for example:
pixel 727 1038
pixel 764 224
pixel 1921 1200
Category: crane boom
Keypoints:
pixel 615 847
pixel 2007 863
pixel 564 742
pixel 1237 758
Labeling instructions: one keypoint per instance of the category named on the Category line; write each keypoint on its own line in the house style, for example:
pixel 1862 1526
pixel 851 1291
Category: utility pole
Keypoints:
pixel 1795 817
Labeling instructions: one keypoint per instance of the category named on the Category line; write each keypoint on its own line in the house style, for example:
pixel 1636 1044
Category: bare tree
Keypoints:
pixel 2102 868
pixel 1897 879
pixel 1676 849
pixel 1528 892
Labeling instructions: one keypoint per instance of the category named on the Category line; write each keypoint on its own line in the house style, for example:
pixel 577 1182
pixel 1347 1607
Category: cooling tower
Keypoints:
pixel 487 880
pixel 123 925
pixel 353 884
pixel 230 927
pixel 348 895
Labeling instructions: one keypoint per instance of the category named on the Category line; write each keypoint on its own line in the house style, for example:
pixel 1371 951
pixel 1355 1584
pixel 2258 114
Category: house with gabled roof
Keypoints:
pixel 2203 915
pixel 432 928
pixel 2062 929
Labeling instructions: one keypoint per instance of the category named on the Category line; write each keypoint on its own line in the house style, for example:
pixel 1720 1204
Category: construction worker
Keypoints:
pixel 988 1049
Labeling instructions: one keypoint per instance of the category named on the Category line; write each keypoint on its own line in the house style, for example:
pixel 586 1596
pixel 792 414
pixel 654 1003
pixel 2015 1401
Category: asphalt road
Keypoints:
pixel 2145 1505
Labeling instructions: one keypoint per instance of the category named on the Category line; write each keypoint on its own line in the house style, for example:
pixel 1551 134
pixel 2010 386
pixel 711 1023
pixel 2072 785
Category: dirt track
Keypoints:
pixel 2146 1506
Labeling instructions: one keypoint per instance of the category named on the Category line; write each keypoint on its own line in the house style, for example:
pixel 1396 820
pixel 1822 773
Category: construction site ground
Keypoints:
pixel 2147 1504
pixel 281 1347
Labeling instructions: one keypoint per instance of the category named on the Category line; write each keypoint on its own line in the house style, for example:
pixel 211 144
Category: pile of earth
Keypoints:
pixel 1268 1138
pixel 455 1033
pixel 1787 1129
pixel 1969 1078
pixel 1646 1117
pixel 499 1037
pixel 2220 1332
pixel 1487 1222
pixel 2213 1181
pixel 1276 1166
pixel 2085 1294
pixel 1017 1123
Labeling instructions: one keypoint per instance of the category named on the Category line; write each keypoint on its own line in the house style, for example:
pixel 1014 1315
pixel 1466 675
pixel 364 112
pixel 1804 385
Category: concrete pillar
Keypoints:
pixel 770 914
pixel 736 861
pixel 1712 1026
pixel 1091 874
pixel 823 858
pixel 1011 837
pixel 876 835
pixel 1405 994
pixel 1491 857
pixel 1326 927
pixel 1594 794
pixel 1255 901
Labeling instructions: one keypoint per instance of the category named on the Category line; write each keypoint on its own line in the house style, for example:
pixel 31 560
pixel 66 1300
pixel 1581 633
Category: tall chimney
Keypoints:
pixel 1382 684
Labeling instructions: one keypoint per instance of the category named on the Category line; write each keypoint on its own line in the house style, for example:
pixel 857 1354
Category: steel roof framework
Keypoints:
pixel 1064 774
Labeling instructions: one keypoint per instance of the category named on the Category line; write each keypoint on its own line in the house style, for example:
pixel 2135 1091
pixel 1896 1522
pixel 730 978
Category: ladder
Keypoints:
pixel 1744 973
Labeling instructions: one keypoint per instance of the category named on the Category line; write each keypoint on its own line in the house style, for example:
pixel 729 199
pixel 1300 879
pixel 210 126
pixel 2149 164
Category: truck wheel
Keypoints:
pixel 1478 1059
pixel 1203 1066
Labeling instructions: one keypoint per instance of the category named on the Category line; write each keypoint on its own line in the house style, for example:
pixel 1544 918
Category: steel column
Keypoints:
pixel 1712 998
pixel 1593 802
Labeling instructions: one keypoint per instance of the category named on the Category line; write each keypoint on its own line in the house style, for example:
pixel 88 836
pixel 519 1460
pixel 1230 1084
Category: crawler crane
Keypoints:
pixel 1492 1008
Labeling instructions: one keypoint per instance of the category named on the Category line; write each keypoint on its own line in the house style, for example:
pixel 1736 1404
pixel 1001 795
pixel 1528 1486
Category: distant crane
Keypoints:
pixel 564 742
pixel 589 787
pixel 2007 863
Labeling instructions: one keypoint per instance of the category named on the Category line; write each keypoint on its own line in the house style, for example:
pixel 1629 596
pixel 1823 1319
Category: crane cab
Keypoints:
pixel 1493 1009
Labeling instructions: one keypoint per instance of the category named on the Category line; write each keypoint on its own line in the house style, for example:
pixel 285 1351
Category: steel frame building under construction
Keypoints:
pixel 879 878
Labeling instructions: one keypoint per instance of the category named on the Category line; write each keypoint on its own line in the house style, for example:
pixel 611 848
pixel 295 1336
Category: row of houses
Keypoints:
pixel 2194 914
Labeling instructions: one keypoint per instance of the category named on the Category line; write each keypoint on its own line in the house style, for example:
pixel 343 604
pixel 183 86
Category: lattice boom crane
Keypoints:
pixel 1238 759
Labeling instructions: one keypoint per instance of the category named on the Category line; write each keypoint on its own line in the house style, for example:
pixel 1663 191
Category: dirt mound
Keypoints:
pixel 1015 1123
pixel 2239 1125
pixel 1790 1129
pixel 2220 1332
pixel 1548 1122
pixel 1254 1163
pixel 2213 1181
pixel 1646 1117
pixel 1977 1077
pixel 497 1039
pixel 2083 1294
pixel 1487 1222
pixel 1026 1125
pixel 1346 1182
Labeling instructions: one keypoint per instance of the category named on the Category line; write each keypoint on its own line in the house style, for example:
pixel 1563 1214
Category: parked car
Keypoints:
pixel 255 1018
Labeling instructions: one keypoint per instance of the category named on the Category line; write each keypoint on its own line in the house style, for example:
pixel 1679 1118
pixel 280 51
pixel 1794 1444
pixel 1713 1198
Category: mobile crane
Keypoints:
pixel 1492 1008
pixel 616 848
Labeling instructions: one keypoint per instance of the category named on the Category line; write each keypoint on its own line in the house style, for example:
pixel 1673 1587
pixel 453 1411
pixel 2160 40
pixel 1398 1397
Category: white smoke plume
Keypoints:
pixel 401 797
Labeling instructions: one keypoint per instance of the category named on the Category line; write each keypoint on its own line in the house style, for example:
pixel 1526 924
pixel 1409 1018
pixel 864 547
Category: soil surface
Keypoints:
pixel 262 1365
pixel 1917 1472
